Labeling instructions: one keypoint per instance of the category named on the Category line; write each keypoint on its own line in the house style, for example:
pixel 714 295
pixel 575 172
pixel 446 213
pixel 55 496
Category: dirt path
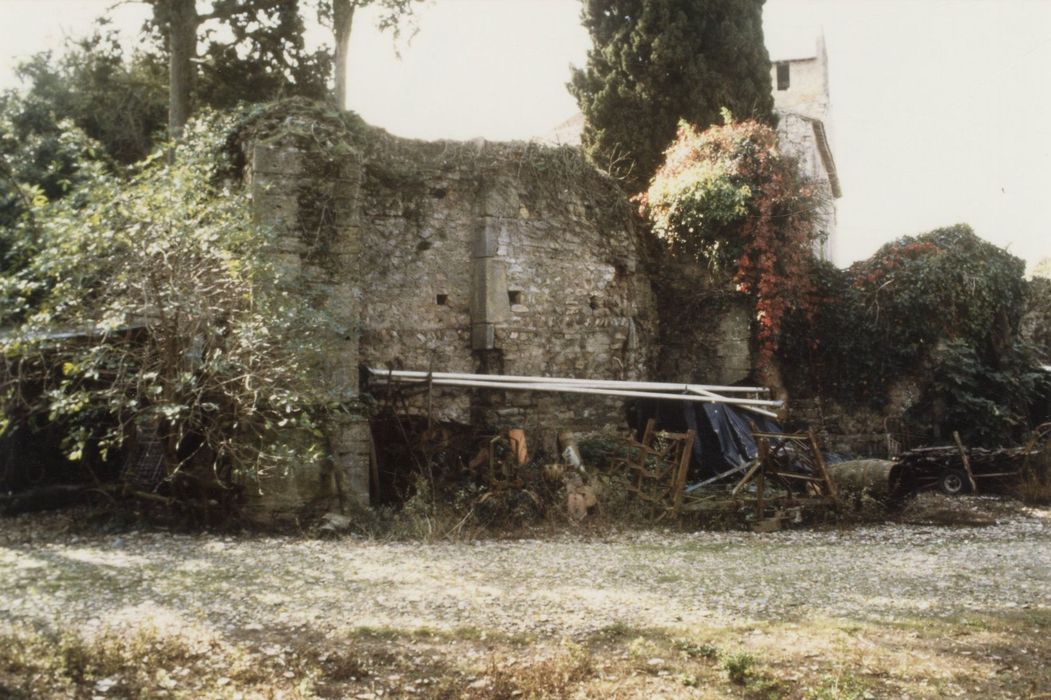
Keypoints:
pixel 889 577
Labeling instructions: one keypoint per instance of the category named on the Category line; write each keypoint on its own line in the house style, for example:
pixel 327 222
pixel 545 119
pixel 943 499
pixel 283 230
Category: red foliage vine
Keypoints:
pixel 728 196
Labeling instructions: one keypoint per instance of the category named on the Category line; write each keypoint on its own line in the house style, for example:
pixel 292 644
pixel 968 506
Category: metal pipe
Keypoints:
pixel 702 389
pixel 570 389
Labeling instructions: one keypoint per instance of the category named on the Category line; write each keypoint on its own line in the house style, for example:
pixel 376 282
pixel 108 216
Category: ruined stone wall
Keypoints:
pixel 503 258
pixel 463 257
pixel 315 251
pixel 705 326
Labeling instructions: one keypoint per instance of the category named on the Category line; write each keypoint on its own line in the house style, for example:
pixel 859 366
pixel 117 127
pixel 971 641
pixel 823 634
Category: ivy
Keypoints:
pixel 728 198
pixel 943 309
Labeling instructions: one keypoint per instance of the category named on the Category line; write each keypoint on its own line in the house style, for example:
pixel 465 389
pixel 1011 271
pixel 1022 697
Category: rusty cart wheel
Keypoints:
pixel 953 482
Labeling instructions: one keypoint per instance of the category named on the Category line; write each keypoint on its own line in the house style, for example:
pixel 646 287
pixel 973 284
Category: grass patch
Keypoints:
pixel 839 686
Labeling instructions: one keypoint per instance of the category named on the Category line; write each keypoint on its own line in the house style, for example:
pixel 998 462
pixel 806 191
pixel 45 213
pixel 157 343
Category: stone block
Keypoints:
pixel 277 211
pixel 483 336
pixel 276 158
pixel 501 199
pixel 486 241
pixel 489 301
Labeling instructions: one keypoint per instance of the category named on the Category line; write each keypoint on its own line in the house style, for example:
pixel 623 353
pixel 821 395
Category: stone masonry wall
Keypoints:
pixel 462 257
pixel 282 181
pixel 503 258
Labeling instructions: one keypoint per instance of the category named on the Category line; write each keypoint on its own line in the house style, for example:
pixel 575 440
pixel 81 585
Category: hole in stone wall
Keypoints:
pixel 515 297
pixel 439 193
pixel 442 299
pixel 593 301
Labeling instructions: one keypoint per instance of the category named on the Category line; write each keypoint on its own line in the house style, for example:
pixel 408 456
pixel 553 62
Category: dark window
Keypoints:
pixel 443 299
pixel 782 76
pixel 514 297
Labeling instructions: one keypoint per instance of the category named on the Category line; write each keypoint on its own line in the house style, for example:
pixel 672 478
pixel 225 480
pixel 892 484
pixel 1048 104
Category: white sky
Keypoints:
pixel 941 111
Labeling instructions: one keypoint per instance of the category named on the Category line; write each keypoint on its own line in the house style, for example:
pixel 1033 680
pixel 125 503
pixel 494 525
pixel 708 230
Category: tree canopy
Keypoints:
pixel 655 62
pixel 234 51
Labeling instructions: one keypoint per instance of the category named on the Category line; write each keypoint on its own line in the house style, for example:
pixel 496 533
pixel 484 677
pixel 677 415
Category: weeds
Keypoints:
pixel 1034 488
pixel 131 664
pixel 838 686
pixel 693 650
pixel 553 677
pixel 739 667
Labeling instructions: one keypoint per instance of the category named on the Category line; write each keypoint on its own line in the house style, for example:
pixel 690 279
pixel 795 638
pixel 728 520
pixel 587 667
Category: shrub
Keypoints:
pixel 176 322
pixel 945 305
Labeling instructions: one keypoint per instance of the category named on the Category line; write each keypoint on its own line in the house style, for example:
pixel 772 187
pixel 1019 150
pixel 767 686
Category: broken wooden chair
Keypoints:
pixel 657 467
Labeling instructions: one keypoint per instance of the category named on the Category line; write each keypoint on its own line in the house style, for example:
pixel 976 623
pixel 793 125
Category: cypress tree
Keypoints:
pixel 654 62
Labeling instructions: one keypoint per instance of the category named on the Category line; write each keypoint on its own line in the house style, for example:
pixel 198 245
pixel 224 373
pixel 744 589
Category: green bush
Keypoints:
pixel 175 318
pixel 945 307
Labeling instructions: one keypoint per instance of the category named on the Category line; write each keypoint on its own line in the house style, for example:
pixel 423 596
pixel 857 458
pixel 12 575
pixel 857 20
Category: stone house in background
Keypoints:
pixel 801 100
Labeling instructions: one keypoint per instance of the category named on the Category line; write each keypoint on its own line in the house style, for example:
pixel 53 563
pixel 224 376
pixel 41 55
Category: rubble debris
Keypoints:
pixel 332 523
pixel 570 451
pixel 787 474
pixel 657 466
pixel 870 476
pixel 517 438
pixel 944 469
pixel 580 497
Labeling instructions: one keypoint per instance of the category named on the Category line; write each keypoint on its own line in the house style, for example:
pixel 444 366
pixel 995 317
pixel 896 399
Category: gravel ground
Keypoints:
pixel 561 586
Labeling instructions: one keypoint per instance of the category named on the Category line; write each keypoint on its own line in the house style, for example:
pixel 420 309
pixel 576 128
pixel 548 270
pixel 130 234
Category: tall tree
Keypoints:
pixel 392 14
pixel 118 99
pixel 655 62
pixel 236 50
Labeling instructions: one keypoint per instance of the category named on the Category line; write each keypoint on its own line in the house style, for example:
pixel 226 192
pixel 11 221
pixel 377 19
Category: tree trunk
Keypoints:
pixel 182 44
pixel 342 22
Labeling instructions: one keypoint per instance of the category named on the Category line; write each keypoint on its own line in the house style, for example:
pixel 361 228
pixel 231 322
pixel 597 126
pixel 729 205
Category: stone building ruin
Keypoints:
pixel 497 258
pixel 467 257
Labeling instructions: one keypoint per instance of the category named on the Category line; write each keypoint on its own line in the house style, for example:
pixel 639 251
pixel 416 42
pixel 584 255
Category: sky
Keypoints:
pixel 940 108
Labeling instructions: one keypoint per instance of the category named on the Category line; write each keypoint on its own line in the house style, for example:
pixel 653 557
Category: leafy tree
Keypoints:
pixel 89 108
pixel 656 62
pixel 727 197
pixel 40 160
pixel 340 14
pixel 116 99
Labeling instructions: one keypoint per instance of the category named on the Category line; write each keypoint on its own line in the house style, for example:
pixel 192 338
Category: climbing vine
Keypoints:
pixel 944 307
pixel 729 198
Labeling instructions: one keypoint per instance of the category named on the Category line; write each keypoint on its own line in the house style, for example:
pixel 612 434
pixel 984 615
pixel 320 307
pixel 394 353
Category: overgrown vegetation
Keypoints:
pixel 814 659
pixel 945 306
pixel 728 198
pixel 150 312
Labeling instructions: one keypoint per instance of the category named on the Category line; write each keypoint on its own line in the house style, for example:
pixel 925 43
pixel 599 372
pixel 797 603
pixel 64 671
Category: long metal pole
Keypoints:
pixel 570 389
pixel 701 389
